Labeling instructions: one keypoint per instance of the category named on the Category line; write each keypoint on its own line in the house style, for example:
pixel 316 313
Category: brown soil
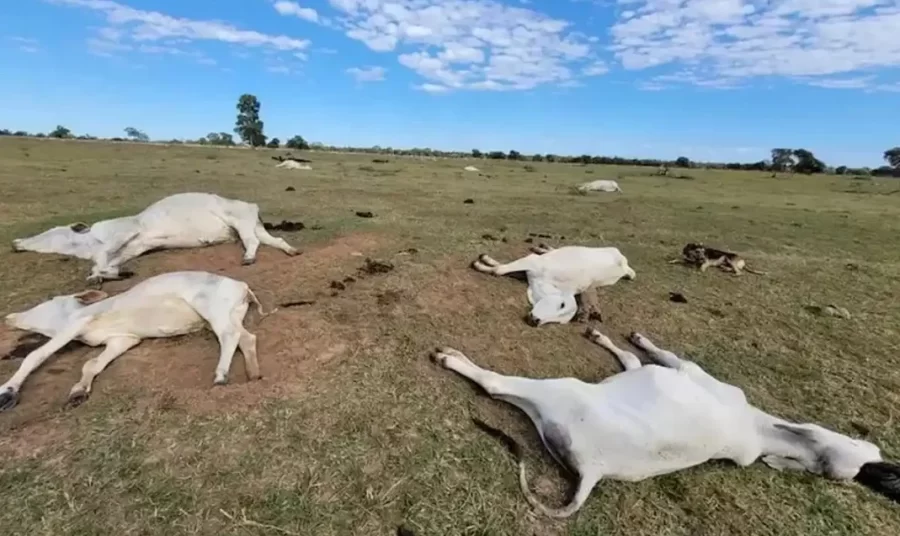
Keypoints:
pixel 292 344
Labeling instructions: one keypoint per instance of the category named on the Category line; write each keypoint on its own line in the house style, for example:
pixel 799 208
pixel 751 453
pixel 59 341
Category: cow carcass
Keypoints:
pixel 185 220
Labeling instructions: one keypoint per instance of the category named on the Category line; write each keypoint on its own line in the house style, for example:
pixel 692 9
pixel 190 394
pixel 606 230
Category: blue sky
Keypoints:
pixel 721 80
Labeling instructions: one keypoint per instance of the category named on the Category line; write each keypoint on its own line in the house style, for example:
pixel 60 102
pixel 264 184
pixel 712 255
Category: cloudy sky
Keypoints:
pixel 722 80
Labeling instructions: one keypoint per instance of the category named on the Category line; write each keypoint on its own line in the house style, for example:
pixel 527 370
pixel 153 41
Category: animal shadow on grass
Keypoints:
pixel 30 342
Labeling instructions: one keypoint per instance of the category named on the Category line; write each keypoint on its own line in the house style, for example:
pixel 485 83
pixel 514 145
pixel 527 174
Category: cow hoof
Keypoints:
pixel 294 252
pixel 220 381
pixel 247 262
pixel 77 398
pixel 8 400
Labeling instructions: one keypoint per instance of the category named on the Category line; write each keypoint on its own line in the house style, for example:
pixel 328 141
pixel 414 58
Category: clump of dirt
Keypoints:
pixel 285 225
pixel 290 189
pixel 488 236
pixel 298 303
pixel 365 214
pixel 469 201
pixel 388 297
pixel 372 267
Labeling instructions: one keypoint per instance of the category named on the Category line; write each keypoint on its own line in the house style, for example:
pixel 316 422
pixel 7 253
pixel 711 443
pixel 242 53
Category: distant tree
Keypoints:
pixel 782 160
pixel 537 158
pixel 497 155
pixel 476 153
pixel 248 124
pixel 550 158
pixel 136 134
pixel 60 132
pixel 807 162
pixel 840 170
pixel 274 143
pixel 21 133
pixel 5 132
pixel 514 155
pixel 213 138
pixel 683 162
pixel 893 157
pixel 297 142
pixel 37 135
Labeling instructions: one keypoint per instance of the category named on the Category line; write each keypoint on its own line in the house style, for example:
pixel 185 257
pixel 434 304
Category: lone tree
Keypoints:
pixel 274 143
pixel 807 162
pixel 136 134
pixel 60 132
pixel 248 125
pixel 782 160
pixel 682 161
pixel 297 142
pixel 893 157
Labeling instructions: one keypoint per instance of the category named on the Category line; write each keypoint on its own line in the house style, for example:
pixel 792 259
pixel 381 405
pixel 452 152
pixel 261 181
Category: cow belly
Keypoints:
pixel 166 317
pixel 190 234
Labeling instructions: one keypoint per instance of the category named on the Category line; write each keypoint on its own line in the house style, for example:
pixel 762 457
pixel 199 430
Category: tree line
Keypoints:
pixel 250 128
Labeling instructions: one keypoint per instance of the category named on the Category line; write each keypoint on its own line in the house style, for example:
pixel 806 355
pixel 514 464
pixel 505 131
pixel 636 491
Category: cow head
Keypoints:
pixel 49 317
pixel 75 239
pixel 558 308
pixel 822 452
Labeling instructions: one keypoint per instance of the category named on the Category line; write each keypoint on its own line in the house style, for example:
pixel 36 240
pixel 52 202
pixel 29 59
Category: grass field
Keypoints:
pixel 353 430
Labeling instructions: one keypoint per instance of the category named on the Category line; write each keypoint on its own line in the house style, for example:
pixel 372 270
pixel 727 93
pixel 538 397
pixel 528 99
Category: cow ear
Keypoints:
pixel 90 296
pixel 80 227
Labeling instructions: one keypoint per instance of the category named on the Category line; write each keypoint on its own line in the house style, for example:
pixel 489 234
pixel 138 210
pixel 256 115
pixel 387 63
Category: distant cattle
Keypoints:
pixel 599 186
pixel 175 303
pixel 293 164
pixel 185 220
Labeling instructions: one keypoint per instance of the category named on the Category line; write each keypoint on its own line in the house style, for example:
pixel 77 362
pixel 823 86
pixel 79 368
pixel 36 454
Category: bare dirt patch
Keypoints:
pixel 292 344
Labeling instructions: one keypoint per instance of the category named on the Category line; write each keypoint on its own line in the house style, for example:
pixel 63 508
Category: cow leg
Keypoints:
pixel 660 356
pixel 588 309
pixel 114 348
pixel 487 265
pixel 247 344
pixel 247 233
pixel 273 241
pixel 628 360
pixel 524 393
pixel 9 391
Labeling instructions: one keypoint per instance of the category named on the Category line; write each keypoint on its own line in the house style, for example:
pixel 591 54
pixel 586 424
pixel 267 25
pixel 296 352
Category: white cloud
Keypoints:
pixel 470 44
pixel 130 29
pixel 842 83
pixel 367 74
pixel 742 39
pixel 293 8
pixel 26 44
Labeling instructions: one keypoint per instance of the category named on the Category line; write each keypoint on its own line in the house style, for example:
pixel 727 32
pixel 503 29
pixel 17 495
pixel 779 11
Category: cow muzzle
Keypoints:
pixel 532 320
pixel 16 247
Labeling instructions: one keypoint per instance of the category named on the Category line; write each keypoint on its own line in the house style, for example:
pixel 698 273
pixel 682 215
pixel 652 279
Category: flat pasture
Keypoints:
pixel 353 430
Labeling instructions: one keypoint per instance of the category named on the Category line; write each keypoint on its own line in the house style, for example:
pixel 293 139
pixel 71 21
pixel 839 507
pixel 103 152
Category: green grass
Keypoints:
pixel 354 431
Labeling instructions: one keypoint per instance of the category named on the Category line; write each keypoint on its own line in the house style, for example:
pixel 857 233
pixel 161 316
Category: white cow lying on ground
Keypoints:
pixel 656 419
pixel 600 186
pixel 557 276
pixel 292 164
pixel 184 220
pixel 165 305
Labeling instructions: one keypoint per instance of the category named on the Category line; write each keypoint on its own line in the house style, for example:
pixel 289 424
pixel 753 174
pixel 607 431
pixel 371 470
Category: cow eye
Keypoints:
pixel 562 306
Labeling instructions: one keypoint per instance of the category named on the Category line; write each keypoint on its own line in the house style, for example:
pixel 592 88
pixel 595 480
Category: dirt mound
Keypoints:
pixel 292 344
